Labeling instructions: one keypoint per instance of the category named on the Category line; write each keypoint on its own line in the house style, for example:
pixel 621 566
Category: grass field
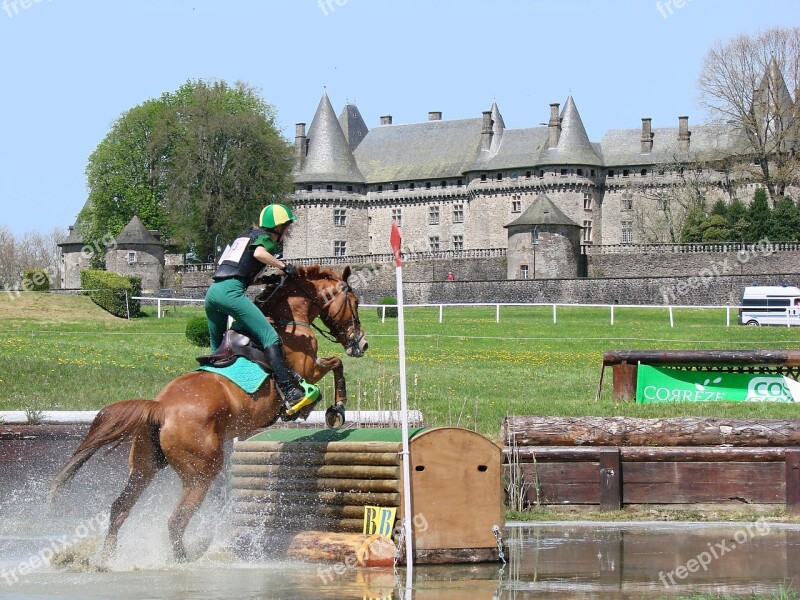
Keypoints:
pixel 63 352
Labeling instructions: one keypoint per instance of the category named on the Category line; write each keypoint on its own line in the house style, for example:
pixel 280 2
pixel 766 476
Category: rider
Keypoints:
pixel 238 266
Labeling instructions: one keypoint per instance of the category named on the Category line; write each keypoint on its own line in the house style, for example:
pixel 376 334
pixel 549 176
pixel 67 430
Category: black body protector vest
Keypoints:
pixel 238 259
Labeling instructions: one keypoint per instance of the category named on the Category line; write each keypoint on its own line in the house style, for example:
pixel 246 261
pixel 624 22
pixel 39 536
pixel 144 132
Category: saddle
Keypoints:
pixel 234 345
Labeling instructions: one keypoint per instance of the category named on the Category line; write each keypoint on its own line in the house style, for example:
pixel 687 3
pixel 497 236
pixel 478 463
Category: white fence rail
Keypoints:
pixel 791 315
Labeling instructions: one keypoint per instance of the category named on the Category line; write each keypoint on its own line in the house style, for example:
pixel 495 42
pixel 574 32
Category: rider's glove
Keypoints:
pixel 290 269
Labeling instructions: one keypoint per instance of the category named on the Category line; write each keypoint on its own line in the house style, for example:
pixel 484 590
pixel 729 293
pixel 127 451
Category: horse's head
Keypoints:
pixel 338 307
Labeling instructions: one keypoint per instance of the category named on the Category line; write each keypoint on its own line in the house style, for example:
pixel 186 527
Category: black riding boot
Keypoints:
pixel 284 376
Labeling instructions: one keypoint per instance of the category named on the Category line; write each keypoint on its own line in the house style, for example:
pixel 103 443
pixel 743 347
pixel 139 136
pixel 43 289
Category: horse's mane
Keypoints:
pixel 272 283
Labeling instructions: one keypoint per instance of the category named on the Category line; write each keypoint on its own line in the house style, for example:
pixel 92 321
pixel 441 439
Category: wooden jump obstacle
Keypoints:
pixel 616 461
pixel 624 364
pixel 289 482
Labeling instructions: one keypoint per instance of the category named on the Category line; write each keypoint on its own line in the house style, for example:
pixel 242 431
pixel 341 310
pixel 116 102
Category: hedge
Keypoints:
pixel 35 280
pixel 108 291
pixel 197 331
pixel 391 311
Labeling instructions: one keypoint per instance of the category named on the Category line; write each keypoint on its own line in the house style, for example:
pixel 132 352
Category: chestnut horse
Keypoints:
pixel 187 423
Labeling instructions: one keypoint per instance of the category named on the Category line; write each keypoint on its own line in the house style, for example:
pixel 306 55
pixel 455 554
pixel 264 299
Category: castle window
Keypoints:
pixel 412 186
pixel 660 204
pixel 329 188
pixel 395 187
pixel 427 185
pixel 514 174
pixel 527 174
pixel 627 232
pixel 516 206
pixel 587 231
pixel 591 173
pixel 580 172
pixel 564 172
pixel 625 172
pixel 397 216
pixel 444 184
pixel 433 215
pixel 309 188
pixel 460 182
pixel 379 189
pixel 587 202
pixel 339 248
pixel 643 172
pixel 433 243
pixel 499 177
pixel 611 172
pixel 535 235
pixel 349 188
pixel 340 217
pixel 523 271
pixel 458 242
pixel 458 213
pixel 626 203
pixel 483 176
pixel 541 172
pixel 131 258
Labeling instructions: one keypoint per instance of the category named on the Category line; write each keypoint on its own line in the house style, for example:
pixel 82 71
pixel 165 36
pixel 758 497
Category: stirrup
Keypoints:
pixel 310 396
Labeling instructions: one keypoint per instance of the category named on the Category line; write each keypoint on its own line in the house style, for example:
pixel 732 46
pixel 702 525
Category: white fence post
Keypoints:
pixel 671 320
pixel 612 314
pixel 497 314
pixel 727 316
pixel 441 307
pixel 554 313
pixel 158 309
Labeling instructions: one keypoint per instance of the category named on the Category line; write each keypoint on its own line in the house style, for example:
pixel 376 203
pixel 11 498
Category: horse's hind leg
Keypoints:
pixel 143 464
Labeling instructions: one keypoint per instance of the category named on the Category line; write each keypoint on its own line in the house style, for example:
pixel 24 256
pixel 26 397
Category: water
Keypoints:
pixel 545 560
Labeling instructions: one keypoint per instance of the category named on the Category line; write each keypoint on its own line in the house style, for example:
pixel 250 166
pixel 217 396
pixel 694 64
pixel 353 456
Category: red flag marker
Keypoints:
pixel 395 239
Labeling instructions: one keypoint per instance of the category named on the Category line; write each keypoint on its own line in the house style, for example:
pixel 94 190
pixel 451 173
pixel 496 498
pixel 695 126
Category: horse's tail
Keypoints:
pixel 114 424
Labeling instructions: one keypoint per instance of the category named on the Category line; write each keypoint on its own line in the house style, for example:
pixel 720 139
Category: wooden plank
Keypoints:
pixel 301 447
pixel 542 454
pixel 679 483
pixel 610 479
pixel 792 474
pixel 328 471
pixel 321 497
pixel 317 458
pixel 788 358
pixel 624 382
pixel 315 483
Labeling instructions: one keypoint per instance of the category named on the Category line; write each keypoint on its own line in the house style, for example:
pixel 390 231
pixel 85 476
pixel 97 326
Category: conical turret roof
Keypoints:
pixel 136 233
pixel 329 158
pixel 573 146
pixel 542 212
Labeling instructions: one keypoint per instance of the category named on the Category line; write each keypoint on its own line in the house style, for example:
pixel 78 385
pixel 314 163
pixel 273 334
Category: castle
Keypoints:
pixel 469 184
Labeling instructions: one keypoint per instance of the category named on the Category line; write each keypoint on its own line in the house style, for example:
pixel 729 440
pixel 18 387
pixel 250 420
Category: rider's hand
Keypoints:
pixel 290 269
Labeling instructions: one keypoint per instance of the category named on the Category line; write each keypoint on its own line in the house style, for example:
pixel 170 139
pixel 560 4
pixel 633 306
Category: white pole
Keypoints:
pixel 554 313
pixel 612 314
pixel 497 314
pixel 440 312
pixel 158 302
pixel 404 410
pixel 671 320
pixel 727 316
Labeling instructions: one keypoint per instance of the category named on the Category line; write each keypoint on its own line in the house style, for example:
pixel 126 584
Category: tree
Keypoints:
pixel 714 229
pixel 744 83
pixel 759 216
pixel 784 221
pixel 197 164
pixel 692 228
pixel 32 251
pixel 736 220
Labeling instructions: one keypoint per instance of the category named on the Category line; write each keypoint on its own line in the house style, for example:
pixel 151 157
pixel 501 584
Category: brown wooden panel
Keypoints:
pixel 565 493
pixel 792 473
pixel 678 483
pixel 610 479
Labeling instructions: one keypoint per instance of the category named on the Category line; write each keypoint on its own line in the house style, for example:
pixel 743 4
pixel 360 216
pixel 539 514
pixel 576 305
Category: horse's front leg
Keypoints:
pixel 335 364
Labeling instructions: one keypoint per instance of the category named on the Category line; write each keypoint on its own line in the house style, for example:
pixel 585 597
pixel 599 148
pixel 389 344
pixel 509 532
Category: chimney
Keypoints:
pixel 647 135
pixel 683 132
pixel 554 126
pixel 386 120
pixel 486 131
pixel 300 140
pixel 435 115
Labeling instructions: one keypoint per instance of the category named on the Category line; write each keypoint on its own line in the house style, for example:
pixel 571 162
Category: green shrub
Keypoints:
pixel 35 280
pixel 197 331
pixel 113 292
pixel 391 311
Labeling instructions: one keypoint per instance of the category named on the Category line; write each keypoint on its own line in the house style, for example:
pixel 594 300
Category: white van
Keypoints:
pixel 770 305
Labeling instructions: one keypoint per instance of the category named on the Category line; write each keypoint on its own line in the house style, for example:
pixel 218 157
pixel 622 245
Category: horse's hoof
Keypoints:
pixel 334 416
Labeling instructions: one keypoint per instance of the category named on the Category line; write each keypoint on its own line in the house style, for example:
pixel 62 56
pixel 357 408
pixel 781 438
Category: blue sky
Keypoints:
pixel 71 67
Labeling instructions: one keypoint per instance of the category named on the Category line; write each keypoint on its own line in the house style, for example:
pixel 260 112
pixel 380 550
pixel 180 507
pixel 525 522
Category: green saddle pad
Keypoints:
pixel 244 373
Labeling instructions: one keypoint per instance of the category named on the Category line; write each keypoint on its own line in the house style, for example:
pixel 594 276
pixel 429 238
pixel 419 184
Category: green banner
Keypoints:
pixel 662 384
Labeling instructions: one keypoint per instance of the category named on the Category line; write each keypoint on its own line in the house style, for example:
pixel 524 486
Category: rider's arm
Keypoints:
pixel 262 255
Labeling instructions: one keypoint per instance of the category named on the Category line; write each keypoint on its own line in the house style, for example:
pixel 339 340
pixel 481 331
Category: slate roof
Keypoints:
pixel 574 147
pixel 136 233
pixel 428 150
pixel 542 212
pixel 353 125
pixel 329 157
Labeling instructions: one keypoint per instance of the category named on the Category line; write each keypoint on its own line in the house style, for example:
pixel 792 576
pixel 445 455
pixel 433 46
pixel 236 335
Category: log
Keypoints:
pixel 704 358
pixel 326 471
pixel 320 497
pixel 316 447
pixel 315 483
pixel 349 549
pixel 542 454
pixel 314 459
pixel 290 524
pixel 523 431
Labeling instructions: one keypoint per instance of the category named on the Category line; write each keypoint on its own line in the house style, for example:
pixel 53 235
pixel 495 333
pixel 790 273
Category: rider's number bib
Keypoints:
pixel 233 253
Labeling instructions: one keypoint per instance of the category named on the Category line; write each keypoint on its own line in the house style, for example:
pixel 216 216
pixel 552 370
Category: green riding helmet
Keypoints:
pixel 274 215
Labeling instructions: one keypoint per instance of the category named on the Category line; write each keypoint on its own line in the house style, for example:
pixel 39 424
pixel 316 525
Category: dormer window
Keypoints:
pixel 329 188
